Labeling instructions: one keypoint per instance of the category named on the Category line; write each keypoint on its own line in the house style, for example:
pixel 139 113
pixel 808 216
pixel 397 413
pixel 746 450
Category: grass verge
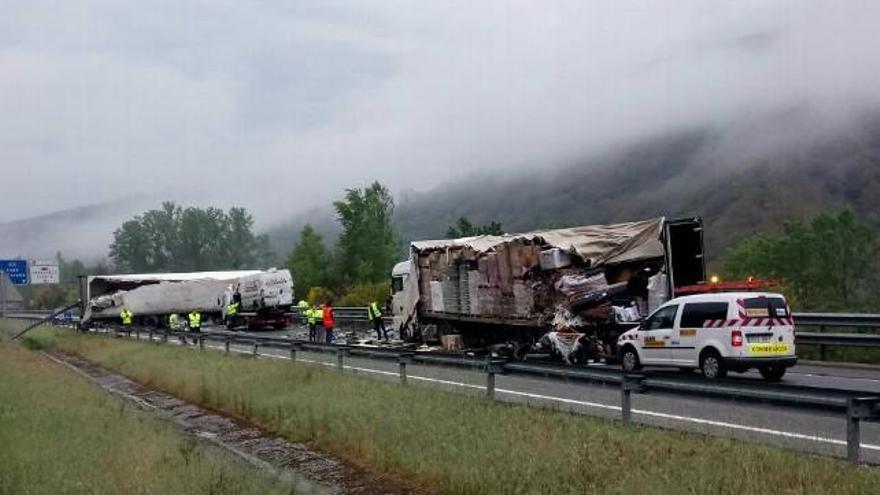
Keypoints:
pixel 458 444
pixel 59 434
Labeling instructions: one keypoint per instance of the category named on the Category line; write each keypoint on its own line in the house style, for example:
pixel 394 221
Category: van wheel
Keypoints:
pixel 772 372
pixel 712 365
pixel 629 360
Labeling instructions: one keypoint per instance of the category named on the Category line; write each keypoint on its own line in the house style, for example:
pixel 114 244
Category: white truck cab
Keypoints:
pixel 717 332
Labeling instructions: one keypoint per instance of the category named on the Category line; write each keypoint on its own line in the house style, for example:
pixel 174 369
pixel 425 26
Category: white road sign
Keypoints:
pixel 44 272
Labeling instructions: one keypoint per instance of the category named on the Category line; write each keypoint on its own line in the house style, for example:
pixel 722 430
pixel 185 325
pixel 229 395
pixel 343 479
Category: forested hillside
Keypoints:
pixel 675 176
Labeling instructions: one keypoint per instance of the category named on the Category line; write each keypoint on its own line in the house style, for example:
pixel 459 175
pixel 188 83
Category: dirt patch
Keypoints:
pixel 310 471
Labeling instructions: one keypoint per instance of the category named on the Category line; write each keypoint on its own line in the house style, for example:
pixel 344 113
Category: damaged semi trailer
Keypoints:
pixel 565 292
pixel 265 297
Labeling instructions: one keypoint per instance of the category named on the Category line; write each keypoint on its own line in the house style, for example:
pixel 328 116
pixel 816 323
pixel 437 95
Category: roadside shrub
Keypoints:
pixel 363 294
pixel 320 295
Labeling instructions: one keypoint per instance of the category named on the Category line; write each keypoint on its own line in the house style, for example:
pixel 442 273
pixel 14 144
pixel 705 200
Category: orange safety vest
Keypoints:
pixel 327 316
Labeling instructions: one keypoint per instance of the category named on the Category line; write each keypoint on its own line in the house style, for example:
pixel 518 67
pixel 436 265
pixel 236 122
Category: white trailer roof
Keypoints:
pixel 176 277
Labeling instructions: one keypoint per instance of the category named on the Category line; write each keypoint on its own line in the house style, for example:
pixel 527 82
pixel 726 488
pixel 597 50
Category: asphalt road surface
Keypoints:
pixel 810 431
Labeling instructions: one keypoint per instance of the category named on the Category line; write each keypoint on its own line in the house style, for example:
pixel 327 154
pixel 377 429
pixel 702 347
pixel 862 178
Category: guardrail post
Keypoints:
pixel 341 352
pixel 256 348
pixel 226 345
pixel 821 346
pixel 403 359
pixel 137 333
pixel 630 383
pixel 164 337
pixel 858 409
pixel 182 338
pixel 201 343
pixel 853 436
pixel 293 348
pixel 493 366
pixel 151 335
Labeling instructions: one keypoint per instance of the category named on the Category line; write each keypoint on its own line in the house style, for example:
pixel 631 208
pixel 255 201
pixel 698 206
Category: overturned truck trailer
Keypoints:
pixel 152 297
pixel 593 280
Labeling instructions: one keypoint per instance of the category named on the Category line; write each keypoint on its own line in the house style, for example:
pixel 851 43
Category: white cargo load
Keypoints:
pixel 160 294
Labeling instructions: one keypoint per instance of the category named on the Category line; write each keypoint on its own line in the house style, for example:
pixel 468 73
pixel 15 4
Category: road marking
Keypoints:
pixel 595 405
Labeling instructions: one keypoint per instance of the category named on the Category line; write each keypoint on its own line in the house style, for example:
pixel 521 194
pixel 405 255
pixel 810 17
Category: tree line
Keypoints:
pixel 829 263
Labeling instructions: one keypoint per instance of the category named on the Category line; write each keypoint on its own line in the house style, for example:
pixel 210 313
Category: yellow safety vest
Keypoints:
pixel 195 320
pixel 126 316
pixel 373 311
pixel 312 315
pixel 173 321
pixel 232 309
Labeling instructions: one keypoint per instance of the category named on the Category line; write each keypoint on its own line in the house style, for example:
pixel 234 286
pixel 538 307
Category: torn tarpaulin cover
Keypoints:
pixel 595 244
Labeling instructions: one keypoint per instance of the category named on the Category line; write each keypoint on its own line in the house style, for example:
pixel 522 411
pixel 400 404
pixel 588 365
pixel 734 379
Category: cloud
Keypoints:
pixel 280 105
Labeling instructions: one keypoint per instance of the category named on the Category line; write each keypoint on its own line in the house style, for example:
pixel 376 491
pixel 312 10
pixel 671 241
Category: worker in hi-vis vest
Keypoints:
pixel 173 322
pixel 328 318
pixel 313 314
pixel 303 307
pixel 126 316
pixel 195 321
pixel 231 314
pixel 375 316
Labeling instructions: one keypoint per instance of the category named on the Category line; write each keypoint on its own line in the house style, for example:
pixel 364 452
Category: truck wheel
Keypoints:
pixel 629 360
pixel 772 372
pixel 712 365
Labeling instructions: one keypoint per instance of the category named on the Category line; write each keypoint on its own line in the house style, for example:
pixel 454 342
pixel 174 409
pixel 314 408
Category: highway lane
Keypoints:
pixel 808 431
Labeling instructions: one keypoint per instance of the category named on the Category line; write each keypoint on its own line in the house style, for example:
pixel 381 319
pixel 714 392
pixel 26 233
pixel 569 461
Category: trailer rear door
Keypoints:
pixel 684 252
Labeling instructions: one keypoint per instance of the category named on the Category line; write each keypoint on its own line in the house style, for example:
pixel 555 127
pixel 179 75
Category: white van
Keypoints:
pixel 717 332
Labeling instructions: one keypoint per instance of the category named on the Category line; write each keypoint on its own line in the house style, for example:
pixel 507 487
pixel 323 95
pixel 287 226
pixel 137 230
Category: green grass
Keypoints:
pixel 459 444
pixel 61 435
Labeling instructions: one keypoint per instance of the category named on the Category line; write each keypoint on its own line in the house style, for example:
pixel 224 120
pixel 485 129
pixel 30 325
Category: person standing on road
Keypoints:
pixel 127 317
pixel 303 307
pixel 173 322
pixel 195 322
pixel 312 315
pixel 329 321
pixel 231 315
pixel 375 316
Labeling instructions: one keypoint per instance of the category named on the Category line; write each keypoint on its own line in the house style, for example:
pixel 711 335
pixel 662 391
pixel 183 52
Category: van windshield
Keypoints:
pixel 766 307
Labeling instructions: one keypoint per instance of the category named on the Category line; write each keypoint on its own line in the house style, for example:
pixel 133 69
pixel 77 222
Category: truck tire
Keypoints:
pixel 711 365
pixel 772 372
pixel 629 360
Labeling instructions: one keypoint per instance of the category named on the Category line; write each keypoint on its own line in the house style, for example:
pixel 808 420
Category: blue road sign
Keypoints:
pixel 16 269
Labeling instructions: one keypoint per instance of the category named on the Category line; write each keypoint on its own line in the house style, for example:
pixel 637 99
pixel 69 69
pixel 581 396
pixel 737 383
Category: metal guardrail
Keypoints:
pixel 848 320
pixel 855 406
pixel 837 319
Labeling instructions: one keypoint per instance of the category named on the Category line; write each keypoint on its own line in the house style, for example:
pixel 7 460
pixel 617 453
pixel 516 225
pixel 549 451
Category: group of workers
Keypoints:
pixel 312 314
pixel 194 320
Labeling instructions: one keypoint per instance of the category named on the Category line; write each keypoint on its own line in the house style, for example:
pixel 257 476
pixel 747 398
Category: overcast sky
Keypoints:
pixel 279 105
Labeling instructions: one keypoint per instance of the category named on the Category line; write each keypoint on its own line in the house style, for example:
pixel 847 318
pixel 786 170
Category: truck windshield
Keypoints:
pixel 766 307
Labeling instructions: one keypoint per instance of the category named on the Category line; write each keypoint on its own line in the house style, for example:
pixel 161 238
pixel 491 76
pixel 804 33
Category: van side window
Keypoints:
pixel 663 318
pixel 695 315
